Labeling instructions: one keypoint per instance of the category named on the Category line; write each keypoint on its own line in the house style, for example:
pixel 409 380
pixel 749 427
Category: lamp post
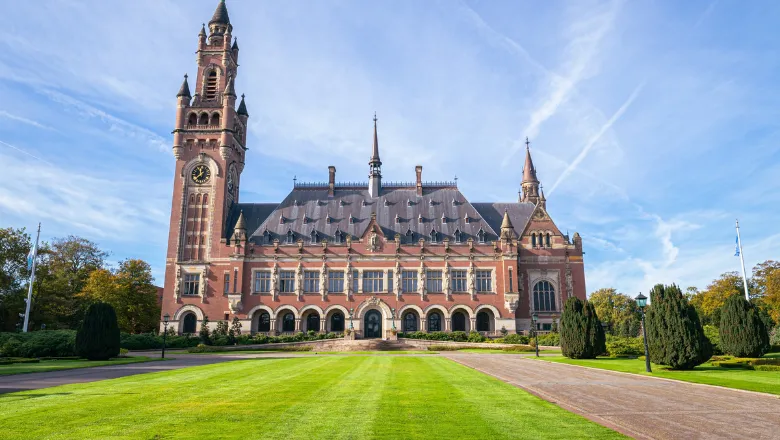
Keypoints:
pixel 351 311
pixel 535 318
pixel 641 301
pixel 166 317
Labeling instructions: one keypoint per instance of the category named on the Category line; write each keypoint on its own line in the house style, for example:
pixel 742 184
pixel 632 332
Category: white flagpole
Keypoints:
pixel 742 259
pixel 32 281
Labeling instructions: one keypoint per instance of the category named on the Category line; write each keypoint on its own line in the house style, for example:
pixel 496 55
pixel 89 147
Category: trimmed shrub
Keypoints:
pixel 98 337
pixel 221 329
pixel 550 339
pixel 443 348
pixel 618 346
pixel 767 367
pixel 475 336
pixel 514 338
pixel 582 336
pixel 520 349
pixel 49 343
pixel 674 333
pixel 742 332
pixel 713 335
pixel 203 348
pixel 459 336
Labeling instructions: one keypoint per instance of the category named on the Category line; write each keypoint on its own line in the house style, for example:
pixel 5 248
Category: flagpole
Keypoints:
pixel 32 280
pixel 742 260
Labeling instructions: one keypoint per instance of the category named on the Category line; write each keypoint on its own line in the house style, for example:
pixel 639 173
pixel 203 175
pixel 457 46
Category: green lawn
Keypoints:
pixel 310 397
pixel 67 365
pixel 762 381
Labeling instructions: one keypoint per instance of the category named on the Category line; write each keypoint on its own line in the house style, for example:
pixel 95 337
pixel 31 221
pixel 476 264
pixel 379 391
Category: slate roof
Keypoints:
pixel 307 209
pixel 220 14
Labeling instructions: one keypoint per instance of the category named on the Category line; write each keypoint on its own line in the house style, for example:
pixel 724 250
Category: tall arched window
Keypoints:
pixel 211 85
pixel 409 236
pixel 481 236
pixel 288 322
pixel 337 322
pixel 313 237
pixel 544 296
pixel 458 322
pixel 214 119
pixel 483 321
pixel 193 119
pixel 290 237
pixel 533 240
pixel 204 119
pixel 264 322
pixel 433 236
pixel 190 323
pixel 205 198
pixel 458 237
pixel 434 322
pixel 548 240
pixel 410 322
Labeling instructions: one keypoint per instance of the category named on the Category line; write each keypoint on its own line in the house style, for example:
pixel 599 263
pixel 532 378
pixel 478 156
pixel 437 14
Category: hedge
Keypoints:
pixel 51 343
pixel 619 346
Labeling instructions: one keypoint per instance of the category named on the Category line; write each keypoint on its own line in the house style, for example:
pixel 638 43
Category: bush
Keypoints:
pixel 221 329
pixel 767 368
pixel 582 336
pixel 98 337
pixel 443 348
pixel 475 336
pixel 123 352
pixel 550 339
pixel 520 349
pixel 617 346
pixel 459 336
pixel 674 333
pixel 150 341
pixel 515 339
pixel 742 332
pixel 204 333
pixel 713 335
pixel 774 337
pixel 203 348
pixel 18 360
pixel 49 343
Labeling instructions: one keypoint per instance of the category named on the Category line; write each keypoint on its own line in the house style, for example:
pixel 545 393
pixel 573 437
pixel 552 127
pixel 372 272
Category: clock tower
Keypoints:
pixel 209 144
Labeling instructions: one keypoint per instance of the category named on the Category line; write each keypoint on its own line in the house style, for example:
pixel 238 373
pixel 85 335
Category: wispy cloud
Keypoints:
pixel 26 153
pixel 23 120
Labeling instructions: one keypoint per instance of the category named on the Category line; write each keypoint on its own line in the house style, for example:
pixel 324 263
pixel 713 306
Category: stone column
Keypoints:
pixel 297 324
pixel 447 324
pixel 322 324
pixel 423 325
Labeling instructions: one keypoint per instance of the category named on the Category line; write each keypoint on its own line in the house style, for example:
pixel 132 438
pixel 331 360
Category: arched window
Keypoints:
pixel 544 297
pixel 533 240
pixel 192 199
pixel 548 241
pixel 214 119
pixel 433 236
pixel 434 322
pixel 458 236
pixel 313 322
pixel 481 236
pixel 483 322
pixel 410 322
pixel 290 237
pixel 264 322
pixel 266 237
pixel 190 323
pixel 193 119
pixel 205 198
pixel 313 237
pixel 337 322
pixel 204 119
pixel 288 322
pixel 198 199
pixel 211 85
pixel 338 237
pixel 409 236
pixel 458 322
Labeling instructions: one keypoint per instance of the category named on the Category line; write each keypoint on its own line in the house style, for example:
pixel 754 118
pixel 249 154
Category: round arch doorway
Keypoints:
pixel 372 324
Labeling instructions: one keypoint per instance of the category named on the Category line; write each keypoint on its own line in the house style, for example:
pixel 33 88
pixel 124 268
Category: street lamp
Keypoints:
pixel 166 317
pixel 351 311
pixel 641 301
pixel 535 318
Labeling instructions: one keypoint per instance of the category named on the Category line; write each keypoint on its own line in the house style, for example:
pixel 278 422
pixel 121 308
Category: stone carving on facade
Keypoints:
pixel 422 287
pixel 177 284
pixel 275 281
pixel 373 301
pixel 348 280
pixel 324 281
pixel 447 287
pixel 511 301
pixel 472 279
pixel 202 287
pixel 373 240
pixel 234 301
pixel 299 281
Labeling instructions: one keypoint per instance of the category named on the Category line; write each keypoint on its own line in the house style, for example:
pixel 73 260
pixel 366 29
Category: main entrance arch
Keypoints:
pixel 372 324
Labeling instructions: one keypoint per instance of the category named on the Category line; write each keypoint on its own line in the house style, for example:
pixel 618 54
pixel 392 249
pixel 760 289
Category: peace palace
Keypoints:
pixel 415 256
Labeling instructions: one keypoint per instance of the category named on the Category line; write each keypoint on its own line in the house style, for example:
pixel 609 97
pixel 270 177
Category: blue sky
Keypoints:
pixel 653 124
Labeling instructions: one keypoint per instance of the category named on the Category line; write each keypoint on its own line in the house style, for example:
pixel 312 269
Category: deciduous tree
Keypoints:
pixel 619 311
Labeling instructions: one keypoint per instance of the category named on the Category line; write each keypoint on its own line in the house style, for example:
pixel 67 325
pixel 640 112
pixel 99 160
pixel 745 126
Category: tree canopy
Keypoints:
pixel 618 310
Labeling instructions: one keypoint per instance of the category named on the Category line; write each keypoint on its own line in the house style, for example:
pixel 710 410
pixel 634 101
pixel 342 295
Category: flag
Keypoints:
pixel 31 256
pixel 736 248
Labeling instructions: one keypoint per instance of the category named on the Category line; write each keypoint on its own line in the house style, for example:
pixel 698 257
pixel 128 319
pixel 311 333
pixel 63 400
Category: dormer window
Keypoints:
pixel 338 237
pixel 290 237
pixel 313 237
pixel 387 203
pixel 327 218
pixel 266 237
pixel 305 220
pixel 363 203
pixel 466 219
pixel 433 235
pixel 408 203
pixel 409 236
pixel 281 219
pixel 419 218
pixel 458 236
pixel 341 203
pixel 454 202
pixel 397 219
pixel 481 236
pixel 430 202
pixel 443 218
pixel 295 202
pixel 351 220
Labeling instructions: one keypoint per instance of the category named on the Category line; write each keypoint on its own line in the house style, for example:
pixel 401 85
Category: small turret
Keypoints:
pixel 184 90
pixel 242 108
pixel 375 167
pixel 507 229
pixel 219 25
pixel 530 184
pixel 239 231
pixel 230 88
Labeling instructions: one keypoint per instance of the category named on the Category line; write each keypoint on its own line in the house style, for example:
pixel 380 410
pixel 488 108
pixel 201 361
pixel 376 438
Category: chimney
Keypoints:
pixel 418 170
pixel 331 180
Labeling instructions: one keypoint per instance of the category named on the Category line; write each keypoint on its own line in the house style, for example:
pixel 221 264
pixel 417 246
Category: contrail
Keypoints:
pixel 594 139
pixel 24 152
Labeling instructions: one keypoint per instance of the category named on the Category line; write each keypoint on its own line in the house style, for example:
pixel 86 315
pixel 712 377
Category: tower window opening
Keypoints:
pixel 215 119
pixel 548 244
pixel 193 119
pixel 204 119
pixel 211 85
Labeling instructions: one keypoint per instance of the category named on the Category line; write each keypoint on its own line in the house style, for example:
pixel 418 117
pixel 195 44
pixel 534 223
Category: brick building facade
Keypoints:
pixel 415 255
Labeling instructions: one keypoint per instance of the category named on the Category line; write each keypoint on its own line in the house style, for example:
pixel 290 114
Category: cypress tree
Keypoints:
pixel 596 338
pixel 674 333
pixel 98 337
pixel 742 331
pixel 574 330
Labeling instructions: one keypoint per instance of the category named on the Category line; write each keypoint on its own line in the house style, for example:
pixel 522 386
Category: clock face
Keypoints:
pixel 201 174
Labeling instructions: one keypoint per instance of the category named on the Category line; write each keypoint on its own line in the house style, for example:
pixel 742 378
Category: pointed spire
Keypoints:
pixel 202 31
pixel 220 14
pixel 241 223
pixel 375 155
pixel 230 89
pixel 184 90
pixel 239 231
pixel 541 196
pixel 507 230
pixel 506 223
pixel 529 172
pixel 242 107
pixel 235 44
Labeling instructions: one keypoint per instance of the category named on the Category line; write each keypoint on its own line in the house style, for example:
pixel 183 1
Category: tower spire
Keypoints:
pixel 530 183
pixel 375 167
pixel 219 25
pixel 185 89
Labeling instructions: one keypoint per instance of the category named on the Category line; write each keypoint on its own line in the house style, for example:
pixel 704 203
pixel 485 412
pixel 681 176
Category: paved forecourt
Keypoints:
pixel 638 406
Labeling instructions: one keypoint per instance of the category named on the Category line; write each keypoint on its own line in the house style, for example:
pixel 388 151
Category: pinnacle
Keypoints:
pixel 184 90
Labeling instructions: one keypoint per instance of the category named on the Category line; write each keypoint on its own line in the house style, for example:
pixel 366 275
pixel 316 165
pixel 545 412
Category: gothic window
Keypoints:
pixel 192 199
pixel 211 85
pixel 434 322
pixel 191 284
pixel 193 119
pixel 483 322
pixel 409 281
pixel 198 199
pixel 262 282
pixel 548 240
pixel 481 236
pixel 214 119
pixel 335 281
pixel 458 236
pixel 410 322
pixel 190 323
pixel 409 236
pixel 533 240
pixel 544 296
pixel 290 237
pixel 311 281
pixel 313 237
pixel 287 281
pixel 288 322
pixel 389 281
pixel 458 322
pixel 458 280
pixel 338 237
pixel 337 322
pixel 373 281
pixel 264 322
pixel 433 236
pixel 433 281
pixel 227 282
pixel 204 119
pixel 484 281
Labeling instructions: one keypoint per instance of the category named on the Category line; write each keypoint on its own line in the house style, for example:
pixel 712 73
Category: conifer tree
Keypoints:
pixel 596 337
pixel 98 337
pixel 674 333
pixel 742 331
pixel 205 333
